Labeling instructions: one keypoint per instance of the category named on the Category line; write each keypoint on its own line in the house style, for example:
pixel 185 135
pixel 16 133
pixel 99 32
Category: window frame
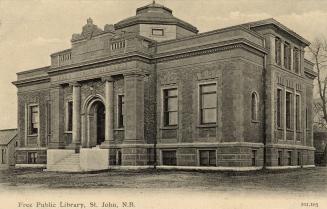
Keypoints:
pixel 279 123
pixel 32 160
pixel 297 112
pixel 287 55
pixel 291 114
pixel 121 111
pixel 208 163
pixel 200 115
pixel 162 156
pixel 254 115
pixel 280 157
pixel 163 106
pixel 158 29
pixel 289 157
pixel 278 50
pixel 29 119
pixel 296 60
pixel 254 155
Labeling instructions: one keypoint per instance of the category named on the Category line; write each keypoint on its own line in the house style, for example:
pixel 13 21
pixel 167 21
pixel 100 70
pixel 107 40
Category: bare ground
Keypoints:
pixel 296 180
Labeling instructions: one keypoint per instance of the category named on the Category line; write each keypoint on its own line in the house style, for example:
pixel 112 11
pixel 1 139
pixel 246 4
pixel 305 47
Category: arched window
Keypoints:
pixel 254 106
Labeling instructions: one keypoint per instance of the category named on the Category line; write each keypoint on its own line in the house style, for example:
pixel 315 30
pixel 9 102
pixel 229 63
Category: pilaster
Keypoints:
pixel 57 119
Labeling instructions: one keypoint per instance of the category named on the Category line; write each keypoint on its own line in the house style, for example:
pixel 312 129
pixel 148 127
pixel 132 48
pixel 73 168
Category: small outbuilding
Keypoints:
pixel 8 142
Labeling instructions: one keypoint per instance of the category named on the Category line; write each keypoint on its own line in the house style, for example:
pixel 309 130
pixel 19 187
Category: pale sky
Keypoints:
pixel 30 30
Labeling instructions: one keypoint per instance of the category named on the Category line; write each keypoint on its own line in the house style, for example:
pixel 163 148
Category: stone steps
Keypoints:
pixel 68 164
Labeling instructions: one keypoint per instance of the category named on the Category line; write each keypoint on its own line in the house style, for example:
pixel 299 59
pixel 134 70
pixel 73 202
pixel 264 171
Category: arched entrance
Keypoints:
pixel 95 122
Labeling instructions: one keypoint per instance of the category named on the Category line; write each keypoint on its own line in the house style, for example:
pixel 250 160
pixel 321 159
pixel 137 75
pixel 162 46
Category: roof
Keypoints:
pixel 272 21
pixel 154 14
pixel 7 135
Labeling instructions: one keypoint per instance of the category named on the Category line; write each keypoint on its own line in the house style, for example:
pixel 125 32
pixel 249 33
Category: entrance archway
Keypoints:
pixel 95 122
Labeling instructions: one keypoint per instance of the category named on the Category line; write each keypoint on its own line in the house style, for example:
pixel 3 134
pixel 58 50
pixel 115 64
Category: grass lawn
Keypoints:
pixel 295 180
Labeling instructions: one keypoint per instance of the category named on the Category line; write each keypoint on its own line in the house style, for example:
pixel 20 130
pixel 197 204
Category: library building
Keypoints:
pixel 150 90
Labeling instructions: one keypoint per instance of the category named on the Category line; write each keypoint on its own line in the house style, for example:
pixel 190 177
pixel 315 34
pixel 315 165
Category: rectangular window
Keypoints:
pixel 279 107
pixel 296 60
pixel 288 110
pixel 34 120
pixel 121 111
pixel 299 158
pixel 208 103
pixel 158 32
pixel 170 107
pixel 49 117
pixel 207 157
pixel 254 157
pixel 287 56
pixel 297 112
pixel 280 158
pixel 169 157
pixel 32 157
pixel 3 156
pixel 69 116
pixel 278 51
pixel 289 157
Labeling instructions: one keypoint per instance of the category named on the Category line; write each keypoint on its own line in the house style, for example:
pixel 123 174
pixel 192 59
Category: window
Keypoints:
pixel 48 120
pixel 280 158
pixel 34 120
pixel 279 108
pixel 170 107
pixel 208 103
pixel 32 157
pixel 299 158
pixel 287 56
pixel 3 156
pixel 207 157
pixel 254 157
pixel 158 32
pixel 118 157
pixel 121 111
pixel 288 109
pixel 306 118
pixel 296 60
pixel 278 51
pixel 289 158
pixel 169 157
pixel 254 106
pixel 297 112
pixel 69 122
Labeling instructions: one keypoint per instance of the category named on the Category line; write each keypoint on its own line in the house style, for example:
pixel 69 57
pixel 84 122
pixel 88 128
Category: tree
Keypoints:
pixel 318 52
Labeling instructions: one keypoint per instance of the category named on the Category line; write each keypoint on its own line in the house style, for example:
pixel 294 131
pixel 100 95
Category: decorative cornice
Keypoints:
pixel 37 80
pixel 107 78
pixel 208 49
pixel 134 56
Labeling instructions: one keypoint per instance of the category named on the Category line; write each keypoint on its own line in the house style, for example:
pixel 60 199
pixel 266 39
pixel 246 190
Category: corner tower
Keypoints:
pixel 156 22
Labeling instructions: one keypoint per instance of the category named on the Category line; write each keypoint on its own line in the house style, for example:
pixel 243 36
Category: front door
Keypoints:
pixel 100 123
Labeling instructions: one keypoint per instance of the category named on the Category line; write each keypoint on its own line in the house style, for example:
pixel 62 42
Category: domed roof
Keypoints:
pixel 154 14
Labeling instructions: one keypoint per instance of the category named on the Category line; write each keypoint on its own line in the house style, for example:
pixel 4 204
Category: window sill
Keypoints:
pixel 32 135
pixel 68 132
pixel 255 121
pixel 207 126
pixel 288 70
pixel 280 129
pixel 119 129
pixel 169 128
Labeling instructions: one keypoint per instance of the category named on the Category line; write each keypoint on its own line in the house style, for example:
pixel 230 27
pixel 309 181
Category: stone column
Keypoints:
pixel 109 105
pixel 76 138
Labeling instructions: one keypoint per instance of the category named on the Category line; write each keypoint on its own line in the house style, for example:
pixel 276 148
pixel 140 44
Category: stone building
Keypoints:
pixel 8 142
pixel 152 90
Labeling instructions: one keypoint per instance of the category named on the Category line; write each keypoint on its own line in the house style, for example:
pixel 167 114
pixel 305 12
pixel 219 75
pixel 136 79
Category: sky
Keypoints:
pixel 30 30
